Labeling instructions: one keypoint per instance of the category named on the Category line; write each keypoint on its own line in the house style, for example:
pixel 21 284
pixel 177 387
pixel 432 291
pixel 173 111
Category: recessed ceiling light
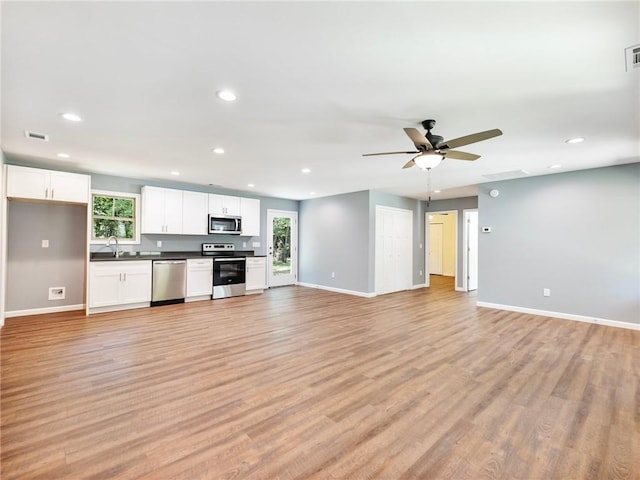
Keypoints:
pixel 312 193
pixel 436 191
pixel 575 140
pixel 250 185
pixel 175 173
pixel 72 117
pixel 226 95
pixel 306 170
pixel 218 150
pixel 64 155
pixel 554 166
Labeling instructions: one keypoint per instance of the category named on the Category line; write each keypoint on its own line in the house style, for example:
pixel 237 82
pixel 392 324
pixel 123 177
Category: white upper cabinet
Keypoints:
pixel 250 213
pixel 161 210
pixel 195 206
pixel 48 185
pixel 224 205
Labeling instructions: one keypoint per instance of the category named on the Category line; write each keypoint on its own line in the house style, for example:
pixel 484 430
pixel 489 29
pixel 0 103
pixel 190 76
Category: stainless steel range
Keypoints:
pixel 229 271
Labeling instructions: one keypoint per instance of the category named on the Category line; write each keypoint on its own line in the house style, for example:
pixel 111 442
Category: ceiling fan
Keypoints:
pixel 432 149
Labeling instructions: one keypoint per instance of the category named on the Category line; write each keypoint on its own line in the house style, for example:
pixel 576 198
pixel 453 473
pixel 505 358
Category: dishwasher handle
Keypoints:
pixel 169 262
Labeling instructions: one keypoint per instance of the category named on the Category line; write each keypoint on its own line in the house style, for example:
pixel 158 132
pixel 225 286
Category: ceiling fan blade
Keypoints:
pixel 468 139
pixel 458 155
pixel 384 153
pixel 417 138
pixel 409 164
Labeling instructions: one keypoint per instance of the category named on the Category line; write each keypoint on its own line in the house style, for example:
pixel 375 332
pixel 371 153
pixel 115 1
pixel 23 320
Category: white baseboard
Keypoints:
pixel 460 289
pixel 420 285
pixel 41 311
pixel 565 316
pixel 337 290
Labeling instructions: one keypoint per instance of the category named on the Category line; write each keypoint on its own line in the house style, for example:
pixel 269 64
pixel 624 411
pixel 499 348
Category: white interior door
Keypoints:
pixel 282 247
pixel 472 250
pixel 393 249
pixel 435 248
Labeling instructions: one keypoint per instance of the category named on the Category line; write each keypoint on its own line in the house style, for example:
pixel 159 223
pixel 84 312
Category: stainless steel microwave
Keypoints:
pixel 225 224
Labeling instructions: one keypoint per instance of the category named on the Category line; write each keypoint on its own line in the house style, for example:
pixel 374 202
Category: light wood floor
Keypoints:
pixel 302 383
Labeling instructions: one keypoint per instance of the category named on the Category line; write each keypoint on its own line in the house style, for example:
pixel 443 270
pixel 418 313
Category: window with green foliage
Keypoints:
pixel 115 214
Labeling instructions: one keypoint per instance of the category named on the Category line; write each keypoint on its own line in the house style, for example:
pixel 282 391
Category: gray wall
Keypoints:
pixel 458 204
pixel 338 235
pixel 172 243
pixel 334 237
pixel 576 233
pixel 31 269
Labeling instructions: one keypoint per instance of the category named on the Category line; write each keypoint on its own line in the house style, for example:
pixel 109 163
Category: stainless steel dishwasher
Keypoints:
pixel 169 282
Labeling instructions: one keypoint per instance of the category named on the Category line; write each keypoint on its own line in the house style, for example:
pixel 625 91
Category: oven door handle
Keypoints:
pixel 229 260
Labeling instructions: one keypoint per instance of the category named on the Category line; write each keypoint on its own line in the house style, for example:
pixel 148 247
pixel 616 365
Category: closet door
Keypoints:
pixel 393 249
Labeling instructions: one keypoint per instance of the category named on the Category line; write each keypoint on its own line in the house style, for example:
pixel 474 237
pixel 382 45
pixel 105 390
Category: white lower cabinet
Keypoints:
pixel 118 285
pixel 199 279
pixel 256 278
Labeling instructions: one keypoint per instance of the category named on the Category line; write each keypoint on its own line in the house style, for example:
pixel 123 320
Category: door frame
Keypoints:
pixel 427 280
pixel 294 245
pixel 465 239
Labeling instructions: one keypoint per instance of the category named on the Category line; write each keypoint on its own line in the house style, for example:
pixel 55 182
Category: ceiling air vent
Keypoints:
pixel 36 136
pixel 506 175
pixel 632 57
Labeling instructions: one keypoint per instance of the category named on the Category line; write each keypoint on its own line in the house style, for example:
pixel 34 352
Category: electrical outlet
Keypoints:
pixel 45 243
pixel 420 272
pixel 546 292
pixel 256 244
pixel 159 243
pixel 244 244
pixel 333 274
pixel 56 293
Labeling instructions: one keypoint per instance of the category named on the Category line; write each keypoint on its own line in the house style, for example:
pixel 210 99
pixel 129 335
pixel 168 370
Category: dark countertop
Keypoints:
pixel 108 256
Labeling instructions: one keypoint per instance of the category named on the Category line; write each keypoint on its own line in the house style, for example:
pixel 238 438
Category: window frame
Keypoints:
pixel 136 219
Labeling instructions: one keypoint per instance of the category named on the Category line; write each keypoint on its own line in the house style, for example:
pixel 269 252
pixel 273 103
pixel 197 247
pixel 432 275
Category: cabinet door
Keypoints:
pixel 216 204
pixel 250 212
pixel 172 211
pixel 136 284
pixel 24 182
pixel 199 277
pixel 224 205
pixel 69 187
pixel 104 284
pixel 194 213
pixel 232 206
pixel 152 210
pixel 256 273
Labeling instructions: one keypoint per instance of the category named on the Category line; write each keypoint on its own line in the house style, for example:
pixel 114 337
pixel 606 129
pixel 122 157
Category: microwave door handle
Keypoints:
pixel 237 224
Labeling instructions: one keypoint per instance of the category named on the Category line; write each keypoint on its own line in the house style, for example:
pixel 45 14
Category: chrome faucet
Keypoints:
pixel 117 252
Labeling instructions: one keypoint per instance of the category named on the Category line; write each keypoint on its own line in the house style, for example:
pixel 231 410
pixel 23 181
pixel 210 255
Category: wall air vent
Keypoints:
pixel 632 57
pixel 36 136
pixel 506 175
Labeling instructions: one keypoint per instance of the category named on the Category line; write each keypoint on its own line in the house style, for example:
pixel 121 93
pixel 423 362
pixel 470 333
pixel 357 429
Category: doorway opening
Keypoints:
pixel 441 238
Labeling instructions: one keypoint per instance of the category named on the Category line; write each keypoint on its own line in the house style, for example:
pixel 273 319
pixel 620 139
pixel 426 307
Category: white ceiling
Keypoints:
pixel 318 85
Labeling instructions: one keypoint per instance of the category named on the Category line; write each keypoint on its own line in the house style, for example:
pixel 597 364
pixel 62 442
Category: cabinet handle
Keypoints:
pixel 52 193
pixel 125 277
pixel 120 277
pixel 46 193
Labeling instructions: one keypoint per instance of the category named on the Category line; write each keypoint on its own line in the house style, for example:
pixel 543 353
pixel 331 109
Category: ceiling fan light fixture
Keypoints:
pixel 428 161
pixel 575 140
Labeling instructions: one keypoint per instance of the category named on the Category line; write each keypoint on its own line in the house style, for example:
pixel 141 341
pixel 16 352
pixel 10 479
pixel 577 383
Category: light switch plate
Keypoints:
pixel 255 244
pixel 45 243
